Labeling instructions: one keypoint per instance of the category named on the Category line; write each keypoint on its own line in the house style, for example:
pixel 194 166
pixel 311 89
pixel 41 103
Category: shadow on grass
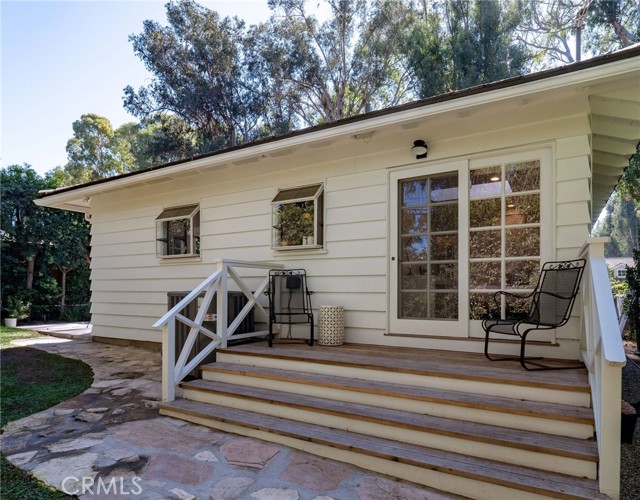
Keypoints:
pixel 32 381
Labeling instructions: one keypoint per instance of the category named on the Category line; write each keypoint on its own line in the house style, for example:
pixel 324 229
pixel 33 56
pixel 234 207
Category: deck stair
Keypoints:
pixel 451 421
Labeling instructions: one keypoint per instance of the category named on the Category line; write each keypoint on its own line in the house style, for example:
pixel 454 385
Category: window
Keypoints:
pixel 621 273
pixel 504 234
pixel 298 218
pixel 178 232
pixel 428 247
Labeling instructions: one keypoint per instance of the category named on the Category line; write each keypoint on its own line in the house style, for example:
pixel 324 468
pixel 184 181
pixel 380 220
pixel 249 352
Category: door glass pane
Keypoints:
pixel 444 188
pixel 413 248
pixel 524 209
pixel 444 305
pixel 484 213
pixel 483 244
pixel 413 305
pixel 414 220
pixel 444 217
pixel 444 276
pixel 522 242
pixel 414 192
pixel 482 305
pixel 486 182
pixel 485 275
pixel 522 273
pixel 414 276
pixel 428 226
pixel 444 247
pixel 523 176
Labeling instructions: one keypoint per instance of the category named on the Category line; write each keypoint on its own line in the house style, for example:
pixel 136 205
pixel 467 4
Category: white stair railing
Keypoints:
pixel 603 354
pixel 215 286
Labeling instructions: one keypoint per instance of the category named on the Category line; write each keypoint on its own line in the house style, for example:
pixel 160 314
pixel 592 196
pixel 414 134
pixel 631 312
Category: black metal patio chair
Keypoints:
pixel 289 301
pixel 550 307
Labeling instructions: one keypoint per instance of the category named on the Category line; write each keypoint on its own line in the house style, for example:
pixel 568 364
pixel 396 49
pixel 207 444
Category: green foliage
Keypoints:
pixel 549 28
pixel 16 307
pixel 621 220
pixel 295 221
pixel 200 75
pixel 459 44
pixel 334 69
pixel 38 244
pixel 632 299
pixel 96 151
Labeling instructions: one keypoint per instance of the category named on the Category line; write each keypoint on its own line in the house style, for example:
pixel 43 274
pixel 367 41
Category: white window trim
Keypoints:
pixel 192 233
pixel 319 231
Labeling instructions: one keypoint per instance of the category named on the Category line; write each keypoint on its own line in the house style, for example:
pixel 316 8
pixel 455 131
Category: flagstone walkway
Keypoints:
pixel 110 442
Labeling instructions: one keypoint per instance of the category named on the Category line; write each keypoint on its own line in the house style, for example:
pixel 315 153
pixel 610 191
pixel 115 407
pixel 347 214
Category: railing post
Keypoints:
pixel 605 358
pixel 169 361
pixel 222 306
pixel 610 423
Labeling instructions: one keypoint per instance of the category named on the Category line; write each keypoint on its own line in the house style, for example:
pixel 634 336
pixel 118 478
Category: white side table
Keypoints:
pixel 331 325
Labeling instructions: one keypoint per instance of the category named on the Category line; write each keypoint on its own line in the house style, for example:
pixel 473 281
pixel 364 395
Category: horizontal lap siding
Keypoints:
pixel 573 209
pixel 129 283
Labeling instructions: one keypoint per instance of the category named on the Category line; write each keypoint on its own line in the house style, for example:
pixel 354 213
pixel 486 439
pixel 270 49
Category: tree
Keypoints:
pixel 36 241
pixel 23 231
pixel 162 139
pixel 200 75
pixel 459 44
pixel 68 250
pixel 551 28
pixel 96 151
pixel 339 67
pixel 632 299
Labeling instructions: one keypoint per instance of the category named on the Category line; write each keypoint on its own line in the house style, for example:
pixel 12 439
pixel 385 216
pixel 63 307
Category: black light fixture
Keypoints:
pixel 419 149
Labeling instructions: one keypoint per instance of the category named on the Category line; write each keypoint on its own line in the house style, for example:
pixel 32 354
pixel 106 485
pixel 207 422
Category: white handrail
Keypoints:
pixel 214 286
pixel 604 356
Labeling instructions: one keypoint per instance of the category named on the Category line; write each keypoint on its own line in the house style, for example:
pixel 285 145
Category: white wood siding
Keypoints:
pixel 129 283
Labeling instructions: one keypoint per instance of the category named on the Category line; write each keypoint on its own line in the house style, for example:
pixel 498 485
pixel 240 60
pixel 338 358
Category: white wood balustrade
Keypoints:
pixel 215 286
pixel 604 356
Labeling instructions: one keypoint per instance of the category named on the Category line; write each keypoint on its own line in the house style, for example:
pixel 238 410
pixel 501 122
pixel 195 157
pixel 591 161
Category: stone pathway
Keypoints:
pixel 110 442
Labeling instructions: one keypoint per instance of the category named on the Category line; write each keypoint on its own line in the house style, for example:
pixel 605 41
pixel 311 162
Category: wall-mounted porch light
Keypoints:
pixel 419 149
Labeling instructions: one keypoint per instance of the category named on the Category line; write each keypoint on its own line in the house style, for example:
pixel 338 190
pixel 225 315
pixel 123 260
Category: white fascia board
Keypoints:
pixel 580 80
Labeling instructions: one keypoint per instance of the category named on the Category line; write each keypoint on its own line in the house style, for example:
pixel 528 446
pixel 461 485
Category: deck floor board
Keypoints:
pixel 437 363
pixel 501 436
pixel 554 411
pixel 517 477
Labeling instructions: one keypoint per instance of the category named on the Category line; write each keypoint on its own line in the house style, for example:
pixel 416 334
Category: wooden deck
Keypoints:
pixel 435 363
pixel 449 420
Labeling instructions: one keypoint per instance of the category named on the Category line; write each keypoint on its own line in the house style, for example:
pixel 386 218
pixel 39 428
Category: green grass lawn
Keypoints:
pixel 32 381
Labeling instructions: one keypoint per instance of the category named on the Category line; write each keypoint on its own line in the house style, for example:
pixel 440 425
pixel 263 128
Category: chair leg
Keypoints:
pixel 311 331
pixel 486 350
pixel 270 336
pixel 539 366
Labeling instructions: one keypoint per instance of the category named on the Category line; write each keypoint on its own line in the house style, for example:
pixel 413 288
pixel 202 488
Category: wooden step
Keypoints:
pixel 551 418
pixel 456 473
pixel 446 370
pixel 552 453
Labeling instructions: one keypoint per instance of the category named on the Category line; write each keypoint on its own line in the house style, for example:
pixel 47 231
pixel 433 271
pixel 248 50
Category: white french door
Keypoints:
pixel 428 246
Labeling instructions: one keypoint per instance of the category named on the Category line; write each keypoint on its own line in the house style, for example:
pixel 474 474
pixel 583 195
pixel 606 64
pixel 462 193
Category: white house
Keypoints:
pixel 412 247
pixel 618 266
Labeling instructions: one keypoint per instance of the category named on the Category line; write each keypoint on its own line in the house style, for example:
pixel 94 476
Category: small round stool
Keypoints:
pixel 331 325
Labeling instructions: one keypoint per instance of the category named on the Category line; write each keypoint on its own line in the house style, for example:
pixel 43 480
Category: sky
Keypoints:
pixel 61 60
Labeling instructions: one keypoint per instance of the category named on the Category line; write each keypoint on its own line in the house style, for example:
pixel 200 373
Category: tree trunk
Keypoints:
pixel 63 287
pixel 31 264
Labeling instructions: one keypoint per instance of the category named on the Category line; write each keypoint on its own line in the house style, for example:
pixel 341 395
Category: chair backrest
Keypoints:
pixel 556 292
pixel 289 300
